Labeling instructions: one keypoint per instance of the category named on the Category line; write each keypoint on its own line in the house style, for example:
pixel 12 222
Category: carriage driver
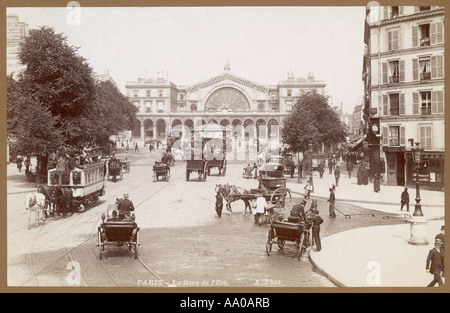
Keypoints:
pixel 125 207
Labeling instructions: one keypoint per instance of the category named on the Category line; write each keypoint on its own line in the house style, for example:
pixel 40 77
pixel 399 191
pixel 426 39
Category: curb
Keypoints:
pixel 367 201
pixel 324 273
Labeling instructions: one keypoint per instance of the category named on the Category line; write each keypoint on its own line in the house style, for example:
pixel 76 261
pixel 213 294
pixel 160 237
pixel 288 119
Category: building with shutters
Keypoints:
pixel 250 112
pixel 404 85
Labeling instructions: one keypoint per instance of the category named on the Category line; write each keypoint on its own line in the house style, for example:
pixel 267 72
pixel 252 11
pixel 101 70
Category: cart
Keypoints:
pixel 199 166
pixel 122 232
pixel 115 170
pixel 220 164
pixel 161 171
pixel 293 230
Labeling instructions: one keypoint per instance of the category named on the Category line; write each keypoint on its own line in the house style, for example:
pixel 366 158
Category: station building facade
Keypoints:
pixel 247 110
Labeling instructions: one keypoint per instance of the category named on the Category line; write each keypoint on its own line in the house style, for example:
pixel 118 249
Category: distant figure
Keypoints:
pixel 349 168
pixel 19 161
pixel 376 182
pixel 136 147
pixel 337 175
pixel 405 200
pixel 332 200
pixel 321 169
pixel 219 204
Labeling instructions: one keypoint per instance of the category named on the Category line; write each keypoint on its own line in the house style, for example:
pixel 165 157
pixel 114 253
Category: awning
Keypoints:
pixel 355 141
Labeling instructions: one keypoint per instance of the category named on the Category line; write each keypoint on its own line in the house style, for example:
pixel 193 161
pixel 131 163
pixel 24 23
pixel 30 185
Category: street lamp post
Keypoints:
pixel 418 221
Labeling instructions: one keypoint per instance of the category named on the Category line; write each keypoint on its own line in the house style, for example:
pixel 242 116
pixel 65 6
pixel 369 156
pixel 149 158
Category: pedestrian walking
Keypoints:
pixel 321 169
pixel 359 175
pixel 337 175
pixel 27 164
pixel 405 199
pixel 349 167
pixel 435 263
pixel 136 147
pixel 219 204
pixel 332 200
pixel 376 182
pixel 19 163
pixel 330 166
pixel 316 221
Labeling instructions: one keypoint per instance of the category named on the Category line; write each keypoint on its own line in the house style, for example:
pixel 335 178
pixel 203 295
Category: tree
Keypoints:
pixel 312 121
pixel 59 80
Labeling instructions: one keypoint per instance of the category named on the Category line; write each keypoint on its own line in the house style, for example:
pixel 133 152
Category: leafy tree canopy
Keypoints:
pixel 313 121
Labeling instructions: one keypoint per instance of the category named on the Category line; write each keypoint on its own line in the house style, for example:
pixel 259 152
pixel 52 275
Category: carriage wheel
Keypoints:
pixel 280 243
pixel 282 199
pixel 269 243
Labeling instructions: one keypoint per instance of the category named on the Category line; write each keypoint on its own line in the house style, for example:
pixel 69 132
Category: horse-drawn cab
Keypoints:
pixel 115 229
pixel 115 169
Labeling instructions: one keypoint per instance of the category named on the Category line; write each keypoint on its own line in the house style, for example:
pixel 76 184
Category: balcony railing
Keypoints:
pixel 393 79
pixel 425 76
pixel 394 111
pixel 425 111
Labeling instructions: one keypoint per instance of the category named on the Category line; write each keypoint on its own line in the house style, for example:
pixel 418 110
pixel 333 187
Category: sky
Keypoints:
pixel 188 45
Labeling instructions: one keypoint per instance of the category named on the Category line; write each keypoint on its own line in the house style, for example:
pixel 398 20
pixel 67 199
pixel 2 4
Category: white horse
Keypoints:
pixel 35 203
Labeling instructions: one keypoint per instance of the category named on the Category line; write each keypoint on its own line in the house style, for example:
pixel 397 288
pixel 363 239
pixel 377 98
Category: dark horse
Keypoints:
pixel 50 199
pixel 64 200
pixel 231 194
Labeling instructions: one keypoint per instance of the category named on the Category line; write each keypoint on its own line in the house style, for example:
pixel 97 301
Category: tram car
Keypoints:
pixel 86 182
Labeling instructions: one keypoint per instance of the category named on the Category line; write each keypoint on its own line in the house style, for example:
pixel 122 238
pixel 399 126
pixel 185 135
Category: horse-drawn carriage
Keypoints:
pixel 115 169
pixel 295 231
pixel 161 171
pixel 76 188
pixel 119 231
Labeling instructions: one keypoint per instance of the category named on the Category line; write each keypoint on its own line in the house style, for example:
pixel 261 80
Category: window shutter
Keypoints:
pixel 440 66
pixel 385 105
pixel 402 70
pixel 386 12
pixel 415 63
pixel 415 38
pixel 385 73
pixel 415 103
pixel 396 39
pixel 433 102
pixel 440 102
pixel 389 38
pixel 385 136
pixel 439 32
pixel 433 67
pixel 402 135
pixel 400 10
pixel 433 33
pixel 401 104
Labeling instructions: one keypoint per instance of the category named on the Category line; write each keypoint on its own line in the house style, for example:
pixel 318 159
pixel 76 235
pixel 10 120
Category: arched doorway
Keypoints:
pixel 161 128
pixel 148 127
pixel 136 132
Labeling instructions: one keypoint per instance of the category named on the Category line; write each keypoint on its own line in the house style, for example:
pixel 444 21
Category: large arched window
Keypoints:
pixel 227 98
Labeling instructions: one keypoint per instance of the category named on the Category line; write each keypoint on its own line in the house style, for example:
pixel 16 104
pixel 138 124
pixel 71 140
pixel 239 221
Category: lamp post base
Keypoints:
pixel 418 231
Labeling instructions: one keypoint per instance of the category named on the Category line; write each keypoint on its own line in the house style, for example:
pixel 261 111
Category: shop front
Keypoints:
pixel 434 170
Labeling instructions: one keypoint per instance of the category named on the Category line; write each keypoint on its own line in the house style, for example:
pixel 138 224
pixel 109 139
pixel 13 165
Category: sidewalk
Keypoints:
pixel 377 256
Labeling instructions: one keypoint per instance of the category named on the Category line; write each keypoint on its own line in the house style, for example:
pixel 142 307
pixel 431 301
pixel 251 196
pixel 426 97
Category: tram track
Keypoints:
pixel 50 232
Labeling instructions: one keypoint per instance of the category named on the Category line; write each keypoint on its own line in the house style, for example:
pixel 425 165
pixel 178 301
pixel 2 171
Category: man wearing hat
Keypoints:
pixel 125 206
pixel 298 210
pixel 332 200
pixel 441 236
pixel 435 263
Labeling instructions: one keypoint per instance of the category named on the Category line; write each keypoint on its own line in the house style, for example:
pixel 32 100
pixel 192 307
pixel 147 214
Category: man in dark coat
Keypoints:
pixel 321 169
pixel 337 175
pixel 316 221
pixel 125 206
pixel 435 263
pixel 219 204
pixel 405 199
pixel 298 210
pixel 332 200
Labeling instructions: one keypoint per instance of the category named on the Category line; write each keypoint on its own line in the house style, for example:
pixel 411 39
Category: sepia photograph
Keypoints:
pixel 232 147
